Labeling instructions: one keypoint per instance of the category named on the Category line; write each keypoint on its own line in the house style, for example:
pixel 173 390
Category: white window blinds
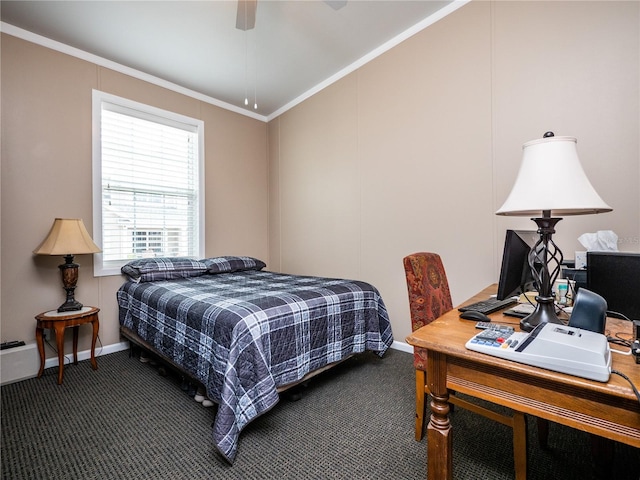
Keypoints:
pixel 150 184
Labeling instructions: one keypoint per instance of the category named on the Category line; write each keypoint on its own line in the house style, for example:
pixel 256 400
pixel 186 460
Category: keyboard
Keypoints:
pixel 490 305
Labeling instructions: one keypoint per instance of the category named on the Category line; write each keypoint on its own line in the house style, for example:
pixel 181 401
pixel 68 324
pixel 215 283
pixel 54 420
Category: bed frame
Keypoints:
pixel 136 340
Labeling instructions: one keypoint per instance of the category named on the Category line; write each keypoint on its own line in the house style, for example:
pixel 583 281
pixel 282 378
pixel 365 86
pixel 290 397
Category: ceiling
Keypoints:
pixel 296 47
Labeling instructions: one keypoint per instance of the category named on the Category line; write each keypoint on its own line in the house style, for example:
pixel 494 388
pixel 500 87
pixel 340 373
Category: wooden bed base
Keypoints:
pixel 133 338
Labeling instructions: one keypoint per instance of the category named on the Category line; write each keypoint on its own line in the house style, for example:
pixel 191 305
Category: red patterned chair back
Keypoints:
pixel 429 295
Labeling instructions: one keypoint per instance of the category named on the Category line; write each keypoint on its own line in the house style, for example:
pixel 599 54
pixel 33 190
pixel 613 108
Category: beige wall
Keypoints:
pixel 417 149
pixel 46 173
pixel 414 151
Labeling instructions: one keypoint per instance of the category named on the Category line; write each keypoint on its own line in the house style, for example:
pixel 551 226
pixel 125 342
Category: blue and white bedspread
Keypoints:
pixel 246 333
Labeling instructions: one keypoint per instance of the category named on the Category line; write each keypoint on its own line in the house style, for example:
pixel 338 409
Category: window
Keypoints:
pixel 147 243
pixel 148 183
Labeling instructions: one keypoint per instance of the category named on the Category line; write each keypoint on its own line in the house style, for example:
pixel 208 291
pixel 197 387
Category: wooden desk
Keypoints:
pixel 610 410
pixel 58 321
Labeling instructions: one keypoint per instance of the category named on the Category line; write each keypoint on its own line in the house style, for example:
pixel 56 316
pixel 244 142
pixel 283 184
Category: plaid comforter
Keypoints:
pixel 246 333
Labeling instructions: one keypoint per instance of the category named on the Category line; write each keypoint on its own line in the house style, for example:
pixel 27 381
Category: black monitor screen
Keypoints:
pixel 616 277
pixel 515 274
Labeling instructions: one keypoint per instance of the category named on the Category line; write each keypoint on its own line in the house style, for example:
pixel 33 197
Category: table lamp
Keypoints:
pixel 550 183
pixel 68 237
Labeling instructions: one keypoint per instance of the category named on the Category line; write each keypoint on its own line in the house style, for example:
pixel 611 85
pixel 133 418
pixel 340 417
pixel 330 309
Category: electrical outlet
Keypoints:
pixel 46 334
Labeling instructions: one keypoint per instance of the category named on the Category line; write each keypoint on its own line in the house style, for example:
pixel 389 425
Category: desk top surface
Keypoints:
pixel 449 333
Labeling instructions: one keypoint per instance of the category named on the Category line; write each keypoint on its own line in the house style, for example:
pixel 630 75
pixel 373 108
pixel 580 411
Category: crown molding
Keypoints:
pixel 132 72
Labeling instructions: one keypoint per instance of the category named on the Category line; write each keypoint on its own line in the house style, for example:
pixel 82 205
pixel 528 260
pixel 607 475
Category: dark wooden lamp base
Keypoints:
pixel 69 271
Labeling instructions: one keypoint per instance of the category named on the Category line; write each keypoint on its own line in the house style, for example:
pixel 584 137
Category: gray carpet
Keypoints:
pixel 125 421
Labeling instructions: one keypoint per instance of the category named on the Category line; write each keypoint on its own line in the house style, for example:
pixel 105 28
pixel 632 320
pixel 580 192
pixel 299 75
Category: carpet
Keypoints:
pixel 355 421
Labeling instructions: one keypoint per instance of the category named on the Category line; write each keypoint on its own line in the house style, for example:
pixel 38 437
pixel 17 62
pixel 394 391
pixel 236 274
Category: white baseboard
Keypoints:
pixel 86 354
pixel 20 363
pixel 402 346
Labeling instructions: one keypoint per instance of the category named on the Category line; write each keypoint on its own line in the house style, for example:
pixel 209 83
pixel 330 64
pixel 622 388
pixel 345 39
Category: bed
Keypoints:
pixel 246 333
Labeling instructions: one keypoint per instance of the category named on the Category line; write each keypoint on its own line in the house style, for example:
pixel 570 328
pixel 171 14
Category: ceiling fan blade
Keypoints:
pixel 336 4
pixel 246 14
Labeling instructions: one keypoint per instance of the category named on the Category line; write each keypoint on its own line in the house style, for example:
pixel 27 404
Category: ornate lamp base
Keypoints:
pixel 545 260
pixel 69 271
pixel 544 313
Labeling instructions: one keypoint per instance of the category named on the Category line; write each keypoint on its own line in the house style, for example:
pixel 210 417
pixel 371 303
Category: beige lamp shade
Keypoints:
pixel 68 236
pixel 551 178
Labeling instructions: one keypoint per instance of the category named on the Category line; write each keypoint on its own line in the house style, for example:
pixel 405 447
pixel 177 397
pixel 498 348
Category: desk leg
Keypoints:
pixel 59 329
pixel 40 343
pixel 602 453
pixel 96 326
pixel 439 434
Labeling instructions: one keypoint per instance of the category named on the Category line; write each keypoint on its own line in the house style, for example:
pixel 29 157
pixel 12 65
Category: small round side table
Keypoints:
pixel 58 321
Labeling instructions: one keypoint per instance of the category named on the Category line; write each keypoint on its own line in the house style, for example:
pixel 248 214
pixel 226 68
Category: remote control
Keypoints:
pixel 11 344
pixel 494 326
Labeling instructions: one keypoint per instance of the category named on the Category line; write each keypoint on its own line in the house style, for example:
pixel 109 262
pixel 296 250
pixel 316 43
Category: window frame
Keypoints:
pixel 99 98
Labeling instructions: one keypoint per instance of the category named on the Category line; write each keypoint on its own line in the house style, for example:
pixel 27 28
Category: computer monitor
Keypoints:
pixel 515 273
pixel 616 277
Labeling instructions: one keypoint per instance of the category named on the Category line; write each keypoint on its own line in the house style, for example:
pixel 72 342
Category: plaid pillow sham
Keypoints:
pixel 232 264
pixel 163 268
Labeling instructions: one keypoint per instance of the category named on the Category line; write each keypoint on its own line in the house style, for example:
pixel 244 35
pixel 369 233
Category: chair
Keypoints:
pixel 429 298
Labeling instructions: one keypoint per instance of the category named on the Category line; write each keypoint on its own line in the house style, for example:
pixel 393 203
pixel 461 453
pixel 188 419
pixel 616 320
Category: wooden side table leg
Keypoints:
pixel 40 343
pixel 75 344
pixel 59 329
pixel 439 434
pixel 96 326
